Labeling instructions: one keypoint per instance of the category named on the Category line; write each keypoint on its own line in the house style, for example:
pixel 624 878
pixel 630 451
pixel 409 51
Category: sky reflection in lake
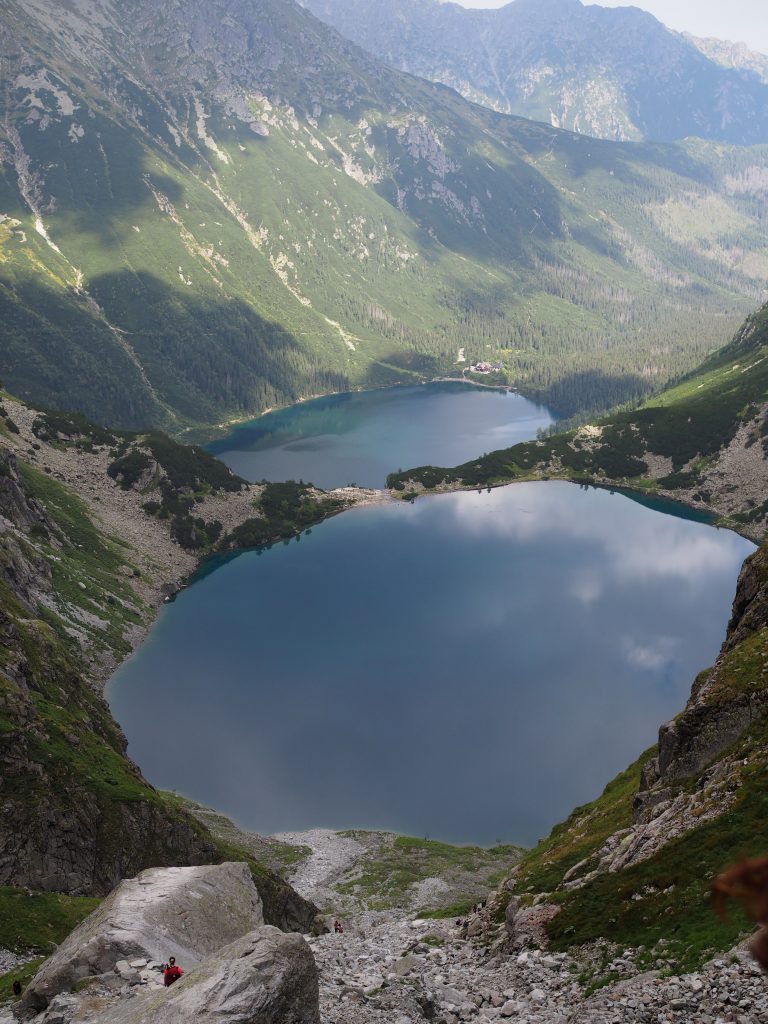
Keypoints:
pixel 469 667
pixel 360 437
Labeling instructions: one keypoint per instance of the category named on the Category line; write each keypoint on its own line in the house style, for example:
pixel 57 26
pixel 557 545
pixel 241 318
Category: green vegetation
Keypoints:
pixel 446 913
pixel 354 227
pixel 584 832
pixel 23 975
pixel 35 922
pixel 663 903
pixel 86 569
pixel 286 510
pixel 385 876
pixel 690 422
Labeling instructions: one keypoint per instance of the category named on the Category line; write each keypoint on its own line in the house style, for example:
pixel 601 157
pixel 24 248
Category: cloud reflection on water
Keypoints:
pixel 471 666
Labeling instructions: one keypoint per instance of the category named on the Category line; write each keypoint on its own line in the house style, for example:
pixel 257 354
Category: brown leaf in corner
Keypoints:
pixel 748 883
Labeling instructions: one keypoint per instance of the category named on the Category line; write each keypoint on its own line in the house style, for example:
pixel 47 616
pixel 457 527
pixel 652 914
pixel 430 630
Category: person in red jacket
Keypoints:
pixel 172 972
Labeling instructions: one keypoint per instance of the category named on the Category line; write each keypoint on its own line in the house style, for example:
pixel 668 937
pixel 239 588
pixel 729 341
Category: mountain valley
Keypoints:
pixel 202 223
pixel 209 211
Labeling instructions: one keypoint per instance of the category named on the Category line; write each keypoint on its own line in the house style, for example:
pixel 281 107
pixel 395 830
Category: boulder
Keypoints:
pixel 265 977
pixel 510 915
pixel 188 913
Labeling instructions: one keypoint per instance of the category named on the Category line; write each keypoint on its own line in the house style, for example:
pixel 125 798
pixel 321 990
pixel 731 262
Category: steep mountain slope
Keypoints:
pixel 209 209
pixel 704 442
pixel 85 558
pixel 614 74
pixel 732 55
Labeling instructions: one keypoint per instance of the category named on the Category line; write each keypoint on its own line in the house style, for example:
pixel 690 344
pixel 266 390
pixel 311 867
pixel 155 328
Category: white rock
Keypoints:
pixel 265 977
pixel 188 913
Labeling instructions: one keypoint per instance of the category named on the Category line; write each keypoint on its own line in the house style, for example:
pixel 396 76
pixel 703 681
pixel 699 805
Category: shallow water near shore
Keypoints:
pixel 360 437
pixel 469 667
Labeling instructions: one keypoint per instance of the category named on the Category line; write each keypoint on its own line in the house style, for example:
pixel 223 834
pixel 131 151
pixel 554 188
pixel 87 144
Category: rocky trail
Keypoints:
pixel 391 968
pixel 388 966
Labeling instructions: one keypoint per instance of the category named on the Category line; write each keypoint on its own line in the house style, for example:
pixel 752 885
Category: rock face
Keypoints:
pixel 185 912
pixel 617 74
pixel 725 701
pixel 264 977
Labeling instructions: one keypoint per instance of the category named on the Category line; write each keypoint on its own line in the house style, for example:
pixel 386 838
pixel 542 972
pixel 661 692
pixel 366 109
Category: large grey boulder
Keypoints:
pixel 265 977
pixel 188 913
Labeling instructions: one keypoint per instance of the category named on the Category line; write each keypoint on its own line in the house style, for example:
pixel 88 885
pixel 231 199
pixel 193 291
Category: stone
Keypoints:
pixel 61 1010
pixel 188 913
pixel 406 964
pixel 264 977
pixel 510 914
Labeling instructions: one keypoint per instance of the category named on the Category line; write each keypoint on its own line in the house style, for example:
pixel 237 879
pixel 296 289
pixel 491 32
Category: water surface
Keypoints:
pixel 360 437
pixel 470 667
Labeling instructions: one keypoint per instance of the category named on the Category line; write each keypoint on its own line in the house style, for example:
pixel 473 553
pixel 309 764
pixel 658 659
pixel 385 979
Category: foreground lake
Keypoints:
pixel 469 667
pixel 360 437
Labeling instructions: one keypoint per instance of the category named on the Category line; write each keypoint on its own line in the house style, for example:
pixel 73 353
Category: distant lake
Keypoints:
pixel 470 667
pixel 360 437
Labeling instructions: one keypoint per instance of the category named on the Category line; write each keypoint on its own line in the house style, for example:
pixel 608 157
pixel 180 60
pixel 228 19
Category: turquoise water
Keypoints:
pixel 362 436
pixel 469 667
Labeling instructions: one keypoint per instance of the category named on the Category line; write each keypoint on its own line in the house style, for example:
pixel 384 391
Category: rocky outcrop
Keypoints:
pixel 264 977
pixel 16 506
pixel 187 912
pixel 725 701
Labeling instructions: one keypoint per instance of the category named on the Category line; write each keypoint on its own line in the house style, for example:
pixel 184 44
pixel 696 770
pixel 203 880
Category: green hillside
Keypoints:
pixel 215 211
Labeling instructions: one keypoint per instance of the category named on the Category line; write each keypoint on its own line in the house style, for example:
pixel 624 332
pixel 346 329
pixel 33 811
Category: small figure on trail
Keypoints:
pixel 171 972
pixel 338 927
pixel 17 987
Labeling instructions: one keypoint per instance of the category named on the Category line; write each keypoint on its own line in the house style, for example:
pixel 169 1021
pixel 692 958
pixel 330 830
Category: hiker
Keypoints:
pixel 171 972
pixel 17 987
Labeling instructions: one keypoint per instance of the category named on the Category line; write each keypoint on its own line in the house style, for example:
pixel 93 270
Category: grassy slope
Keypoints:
pixel 667 896
pixel 384 878
pixel 450 227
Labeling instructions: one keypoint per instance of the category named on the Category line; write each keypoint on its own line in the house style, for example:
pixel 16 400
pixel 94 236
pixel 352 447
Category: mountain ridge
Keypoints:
pixel 614 73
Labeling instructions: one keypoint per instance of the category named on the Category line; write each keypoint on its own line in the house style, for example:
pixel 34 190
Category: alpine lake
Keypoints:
pixel 469 667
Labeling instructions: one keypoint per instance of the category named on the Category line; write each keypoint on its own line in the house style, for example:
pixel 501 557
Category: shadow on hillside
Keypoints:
pixel 206 359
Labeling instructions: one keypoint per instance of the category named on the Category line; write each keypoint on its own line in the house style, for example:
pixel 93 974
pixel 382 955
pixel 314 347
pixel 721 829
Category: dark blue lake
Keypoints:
pixel 469 667
pixel 359 438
